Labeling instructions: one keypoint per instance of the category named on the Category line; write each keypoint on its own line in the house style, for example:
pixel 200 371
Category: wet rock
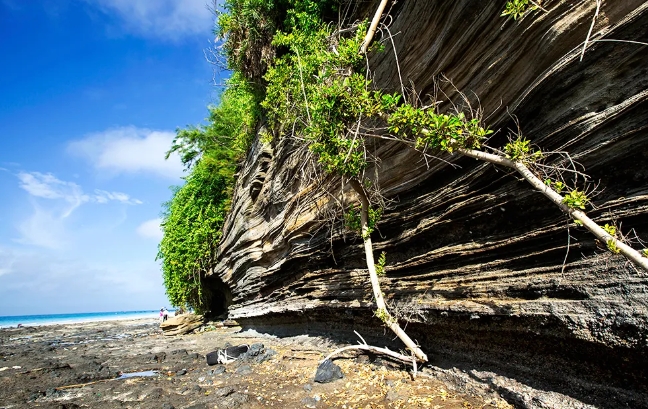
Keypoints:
pixel 181 372
pixel 327 372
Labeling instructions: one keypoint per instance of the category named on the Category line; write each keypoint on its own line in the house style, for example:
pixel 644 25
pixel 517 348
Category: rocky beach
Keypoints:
pixel 132 364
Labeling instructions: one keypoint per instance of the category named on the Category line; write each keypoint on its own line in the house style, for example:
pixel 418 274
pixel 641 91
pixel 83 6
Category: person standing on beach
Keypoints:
pixel 165 314
pixel 161 315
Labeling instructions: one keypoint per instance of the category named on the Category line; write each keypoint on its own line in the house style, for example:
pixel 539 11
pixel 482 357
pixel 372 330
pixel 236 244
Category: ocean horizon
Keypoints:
pixel 51 319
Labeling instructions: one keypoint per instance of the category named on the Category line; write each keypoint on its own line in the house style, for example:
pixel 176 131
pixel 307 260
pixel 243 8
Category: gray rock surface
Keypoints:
pixel 475 256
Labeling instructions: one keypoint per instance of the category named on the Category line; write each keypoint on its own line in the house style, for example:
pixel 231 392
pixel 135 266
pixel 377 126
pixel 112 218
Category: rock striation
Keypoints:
pixel 477 261
pixel 182 324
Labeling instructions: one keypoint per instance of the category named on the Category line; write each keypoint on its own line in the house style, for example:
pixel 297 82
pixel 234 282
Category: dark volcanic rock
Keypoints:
pixel 473 241
pixel 327 372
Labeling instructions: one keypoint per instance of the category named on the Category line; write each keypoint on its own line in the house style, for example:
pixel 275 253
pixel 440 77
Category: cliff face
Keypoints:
pixel 474 255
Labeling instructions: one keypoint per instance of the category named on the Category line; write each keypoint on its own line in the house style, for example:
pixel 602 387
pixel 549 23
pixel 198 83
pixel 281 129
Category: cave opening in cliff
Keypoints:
pixel 221 296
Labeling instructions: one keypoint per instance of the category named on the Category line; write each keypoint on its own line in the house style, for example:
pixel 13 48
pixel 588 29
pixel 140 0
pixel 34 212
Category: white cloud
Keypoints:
pixel 47 226
pixel 151 229
pixel 130 150
pixel 47 186
pixel 103 197
pixel 164 19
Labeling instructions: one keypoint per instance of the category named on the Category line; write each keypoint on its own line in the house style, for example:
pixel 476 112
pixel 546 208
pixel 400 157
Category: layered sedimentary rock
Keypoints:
pixel 476 259
pixel 182 324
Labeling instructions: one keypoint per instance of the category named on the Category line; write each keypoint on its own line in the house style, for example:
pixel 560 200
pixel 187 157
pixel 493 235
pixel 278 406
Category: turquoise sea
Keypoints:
pixel 48 319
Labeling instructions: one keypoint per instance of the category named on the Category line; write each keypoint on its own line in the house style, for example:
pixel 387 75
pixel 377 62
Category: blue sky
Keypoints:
pixel 91 93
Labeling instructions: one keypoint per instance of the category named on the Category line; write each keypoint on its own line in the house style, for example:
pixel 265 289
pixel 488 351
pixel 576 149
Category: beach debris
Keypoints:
pixel 227 355
pixel 327 372
pixel 4 368
pixel 182 324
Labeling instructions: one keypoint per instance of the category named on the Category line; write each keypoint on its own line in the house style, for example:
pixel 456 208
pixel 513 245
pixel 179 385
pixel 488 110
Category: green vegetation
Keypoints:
pixel 556 185
pixel 306 80
pixel 520 150
pixel 380 265
pixel 193 218
pixel 192 227
pixel 610 229
pixel 517 8
pixel 576 199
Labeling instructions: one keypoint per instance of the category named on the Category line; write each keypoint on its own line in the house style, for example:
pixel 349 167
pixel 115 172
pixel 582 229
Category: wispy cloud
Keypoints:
pixel 47 226
pixel 162 19
pixel 102 196
pixel 130 150
pixel 150 229
pixel 48 186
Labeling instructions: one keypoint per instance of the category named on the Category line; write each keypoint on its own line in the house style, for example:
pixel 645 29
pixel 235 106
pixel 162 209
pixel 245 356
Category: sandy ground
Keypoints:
pixel 78 365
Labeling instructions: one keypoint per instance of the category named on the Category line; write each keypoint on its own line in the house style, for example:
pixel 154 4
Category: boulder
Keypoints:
pixel 182 324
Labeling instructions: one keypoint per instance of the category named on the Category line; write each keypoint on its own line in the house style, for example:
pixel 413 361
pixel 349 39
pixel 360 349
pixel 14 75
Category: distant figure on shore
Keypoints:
pixel 161 315
pixel 165 314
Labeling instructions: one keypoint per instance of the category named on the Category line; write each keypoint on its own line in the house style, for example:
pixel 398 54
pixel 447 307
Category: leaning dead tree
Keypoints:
pixel 319 93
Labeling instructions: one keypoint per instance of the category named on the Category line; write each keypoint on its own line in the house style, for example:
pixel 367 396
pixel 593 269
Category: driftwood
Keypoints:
pixel 385 351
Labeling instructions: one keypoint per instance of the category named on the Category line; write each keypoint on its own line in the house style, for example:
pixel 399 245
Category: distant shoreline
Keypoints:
pixel 65 319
